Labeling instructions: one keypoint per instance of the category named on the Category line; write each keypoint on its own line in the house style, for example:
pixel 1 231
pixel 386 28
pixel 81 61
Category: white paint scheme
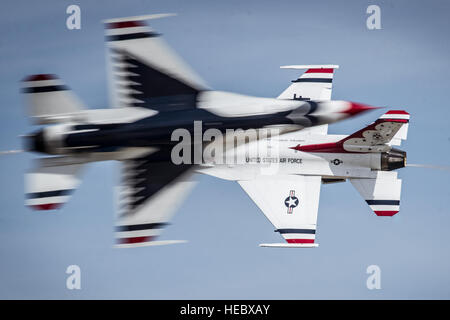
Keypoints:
pixel 310 90
pixel 376 139
pixel 386 186
pixel 117 115
pixel 270 192
pixel 303 172
pixel 51 178
pixel 50 107
pixel 228 104
pixel 402 134
pixel 64 106
pixel 362 164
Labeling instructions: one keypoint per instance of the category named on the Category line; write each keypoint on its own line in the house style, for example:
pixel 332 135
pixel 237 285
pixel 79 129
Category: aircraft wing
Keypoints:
pixel 148 196
pixel 290 203
pixel 144 71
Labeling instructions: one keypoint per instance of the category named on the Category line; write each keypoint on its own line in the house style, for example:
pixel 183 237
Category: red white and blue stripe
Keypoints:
pixel 294 235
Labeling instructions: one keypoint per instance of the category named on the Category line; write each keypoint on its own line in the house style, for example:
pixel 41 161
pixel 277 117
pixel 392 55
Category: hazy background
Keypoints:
pixel 237 46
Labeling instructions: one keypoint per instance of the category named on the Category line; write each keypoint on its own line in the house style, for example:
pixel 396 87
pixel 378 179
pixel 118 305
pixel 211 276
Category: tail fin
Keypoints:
pixel 49 186
pixel 402 133
pixel 48 99
pixel 388 130
pixel 315 84
pixel 382 194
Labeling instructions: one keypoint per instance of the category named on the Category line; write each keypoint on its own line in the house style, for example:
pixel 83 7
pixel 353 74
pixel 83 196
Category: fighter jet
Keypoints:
pixel 153 93
pixel 288 195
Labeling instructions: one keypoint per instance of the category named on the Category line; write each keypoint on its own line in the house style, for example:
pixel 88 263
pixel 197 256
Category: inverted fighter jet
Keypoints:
pixel 153 93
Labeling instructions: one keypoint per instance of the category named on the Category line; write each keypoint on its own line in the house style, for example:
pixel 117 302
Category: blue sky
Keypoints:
pixel 238 47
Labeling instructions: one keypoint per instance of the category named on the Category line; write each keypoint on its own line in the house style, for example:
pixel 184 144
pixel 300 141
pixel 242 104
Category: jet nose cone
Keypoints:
pixel 355 108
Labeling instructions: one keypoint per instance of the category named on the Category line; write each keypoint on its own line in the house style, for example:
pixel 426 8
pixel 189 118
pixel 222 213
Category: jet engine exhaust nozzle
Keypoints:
pixel 394 159
pixel 35 142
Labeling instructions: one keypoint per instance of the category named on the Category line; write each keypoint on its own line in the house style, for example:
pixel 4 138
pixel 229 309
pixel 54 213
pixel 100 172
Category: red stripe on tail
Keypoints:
pixel 397 112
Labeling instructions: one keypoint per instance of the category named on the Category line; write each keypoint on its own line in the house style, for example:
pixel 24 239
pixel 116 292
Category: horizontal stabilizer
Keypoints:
pixel 49 187
pixel 382 194
pixel 48 99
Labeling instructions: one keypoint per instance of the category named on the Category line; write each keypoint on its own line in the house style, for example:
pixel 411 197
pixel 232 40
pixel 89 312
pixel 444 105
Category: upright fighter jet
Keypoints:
pixel 153 93
pixel 288 195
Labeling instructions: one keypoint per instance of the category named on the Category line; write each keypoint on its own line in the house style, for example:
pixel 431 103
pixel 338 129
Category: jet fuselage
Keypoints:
pixel 74 136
